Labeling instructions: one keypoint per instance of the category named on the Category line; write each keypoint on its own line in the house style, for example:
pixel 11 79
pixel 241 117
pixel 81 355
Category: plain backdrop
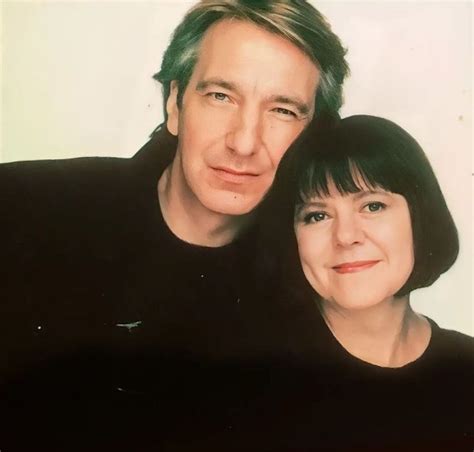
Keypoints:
pixel 76 80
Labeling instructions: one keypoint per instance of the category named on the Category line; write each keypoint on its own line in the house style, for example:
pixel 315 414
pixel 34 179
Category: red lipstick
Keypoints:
pixel 353 267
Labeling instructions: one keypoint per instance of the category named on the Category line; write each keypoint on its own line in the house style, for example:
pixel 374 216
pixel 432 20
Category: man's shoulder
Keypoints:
pixel 50 172
pixel 86 195
pixel 84 175
pixel 50 184
pixel 40 200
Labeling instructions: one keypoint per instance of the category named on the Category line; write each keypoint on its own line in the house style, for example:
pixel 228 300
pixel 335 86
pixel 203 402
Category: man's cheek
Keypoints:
pixel 204 110
pixel 279 141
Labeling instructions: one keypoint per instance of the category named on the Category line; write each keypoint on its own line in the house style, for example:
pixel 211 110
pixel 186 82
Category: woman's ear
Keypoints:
pixel 172 109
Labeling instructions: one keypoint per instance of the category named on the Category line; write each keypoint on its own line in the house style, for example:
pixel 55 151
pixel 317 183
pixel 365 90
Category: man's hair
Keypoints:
pixel 379 154
pixel 295 20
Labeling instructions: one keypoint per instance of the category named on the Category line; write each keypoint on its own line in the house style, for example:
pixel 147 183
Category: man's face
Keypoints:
pixel 250 95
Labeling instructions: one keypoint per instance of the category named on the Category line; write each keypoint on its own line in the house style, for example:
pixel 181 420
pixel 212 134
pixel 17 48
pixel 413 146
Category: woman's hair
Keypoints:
pixel 295 20
pixel 378 153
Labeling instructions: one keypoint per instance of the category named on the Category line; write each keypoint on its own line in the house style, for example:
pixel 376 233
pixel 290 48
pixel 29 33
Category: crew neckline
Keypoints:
pixel 367 365
pixel 148 183
pixel 160 219
pixel 162 231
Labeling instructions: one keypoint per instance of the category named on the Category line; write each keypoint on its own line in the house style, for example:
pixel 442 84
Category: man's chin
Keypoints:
pixel 232 204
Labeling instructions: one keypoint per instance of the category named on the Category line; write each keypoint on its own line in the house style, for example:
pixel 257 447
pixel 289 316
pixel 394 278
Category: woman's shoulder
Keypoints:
pixel 451 345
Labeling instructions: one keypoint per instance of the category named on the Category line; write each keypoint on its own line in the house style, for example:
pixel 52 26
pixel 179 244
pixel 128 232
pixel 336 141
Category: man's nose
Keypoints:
pixel 245 134
pixel 348 231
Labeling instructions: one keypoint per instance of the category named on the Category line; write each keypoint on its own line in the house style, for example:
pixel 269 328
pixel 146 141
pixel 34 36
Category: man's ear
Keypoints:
pixel 172 109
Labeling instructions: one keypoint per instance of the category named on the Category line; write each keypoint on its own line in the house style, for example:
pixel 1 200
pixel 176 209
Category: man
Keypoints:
pixel 130 282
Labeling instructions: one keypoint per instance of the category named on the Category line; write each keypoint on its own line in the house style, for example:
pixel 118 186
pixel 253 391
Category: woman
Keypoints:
pixel 370 225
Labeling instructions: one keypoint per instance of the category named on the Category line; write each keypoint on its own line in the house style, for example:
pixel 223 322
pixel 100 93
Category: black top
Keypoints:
pixel 327 398
pixel 110 323
pixel 116 335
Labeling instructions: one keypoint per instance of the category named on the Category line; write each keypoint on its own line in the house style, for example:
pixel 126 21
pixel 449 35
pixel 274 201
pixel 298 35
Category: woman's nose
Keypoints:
pixel 348 231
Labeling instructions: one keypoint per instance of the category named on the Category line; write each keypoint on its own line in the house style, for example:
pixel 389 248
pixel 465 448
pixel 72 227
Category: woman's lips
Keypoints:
pixel 353 267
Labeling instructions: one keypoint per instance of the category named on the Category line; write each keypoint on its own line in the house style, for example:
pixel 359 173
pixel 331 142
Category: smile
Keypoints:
pixel 233 176
pixel 353 267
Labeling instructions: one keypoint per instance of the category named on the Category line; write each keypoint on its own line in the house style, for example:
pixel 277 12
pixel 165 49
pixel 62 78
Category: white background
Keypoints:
pixel 76 80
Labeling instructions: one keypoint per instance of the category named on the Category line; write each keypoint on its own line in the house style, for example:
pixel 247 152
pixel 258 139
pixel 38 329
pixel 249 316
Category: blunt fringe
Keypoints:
pixel 378 153
pixel 295 20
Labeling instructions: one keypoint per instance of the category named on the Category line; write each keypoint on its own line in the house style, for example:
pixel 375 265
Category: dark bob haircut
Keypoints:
pixel 378 153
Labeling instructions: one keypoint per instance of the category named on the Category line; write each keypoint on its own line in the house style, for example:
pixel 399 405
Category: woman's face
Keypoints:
pixel 356 250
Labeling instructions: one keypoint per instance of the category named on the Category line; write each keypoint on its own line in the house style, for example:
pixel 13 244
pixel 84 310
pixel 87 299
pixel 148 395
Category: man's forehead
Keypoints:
pixel 246 56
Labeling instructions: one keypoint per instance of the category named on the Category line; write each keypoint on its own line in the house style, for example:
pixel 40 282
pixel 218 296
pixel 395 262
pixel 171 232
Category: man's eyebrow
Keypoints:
pixel 220 82
pixel 302 107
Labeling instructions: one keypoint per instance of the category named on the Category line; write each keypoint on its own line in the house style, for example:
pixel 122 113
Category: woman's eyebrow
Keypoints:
pixel 364 193
pixel 320 204
pixel 310 205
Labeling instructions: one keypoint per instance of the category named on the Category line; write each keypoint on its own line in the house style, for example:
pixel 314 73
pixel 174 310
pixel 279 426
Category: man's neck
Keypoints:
pixel 192 222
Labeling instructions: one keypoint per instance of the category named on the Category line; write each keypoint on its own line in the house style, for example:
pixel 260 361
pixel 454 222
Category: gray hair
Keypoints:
pixel 295 20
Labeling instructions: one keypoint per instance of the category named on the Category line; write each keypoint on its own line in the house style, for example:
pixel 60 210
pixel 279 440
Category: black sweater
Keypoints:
pixel 114 330
pixel 116 335
pixel 323 398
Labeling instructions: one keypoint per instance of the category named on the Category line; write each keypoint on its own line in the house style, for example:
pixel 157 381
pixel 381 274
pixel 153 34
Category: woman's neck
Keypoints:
pixel 389 334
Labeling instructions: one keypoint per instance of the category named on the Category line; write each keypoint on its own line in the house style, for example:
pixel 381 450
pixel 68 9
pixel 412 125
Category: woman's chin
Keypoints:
pixel 357 304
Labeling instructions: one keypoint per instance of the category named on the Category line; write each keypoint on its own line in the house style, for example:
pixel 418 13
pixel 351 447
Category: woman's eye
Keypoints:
pixel 375 206
pixel 284 111
pixel 314 217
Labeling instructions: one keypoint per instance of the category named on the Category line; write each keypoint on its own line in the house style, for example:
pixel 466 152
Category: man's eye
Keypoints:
pixel 219 96
pixel 375 206
pixel 284 111
pixel 314 217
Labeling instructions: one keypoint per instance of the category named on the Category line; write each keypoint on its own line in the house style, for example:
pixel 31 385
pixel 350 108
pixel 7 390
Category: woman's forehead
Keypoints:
pixel 329 187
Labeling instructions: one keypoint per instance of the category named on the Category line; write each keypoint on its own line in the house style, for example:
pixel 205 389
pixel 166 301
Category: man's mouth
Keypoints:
pixel 353 267
pixel 232 175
